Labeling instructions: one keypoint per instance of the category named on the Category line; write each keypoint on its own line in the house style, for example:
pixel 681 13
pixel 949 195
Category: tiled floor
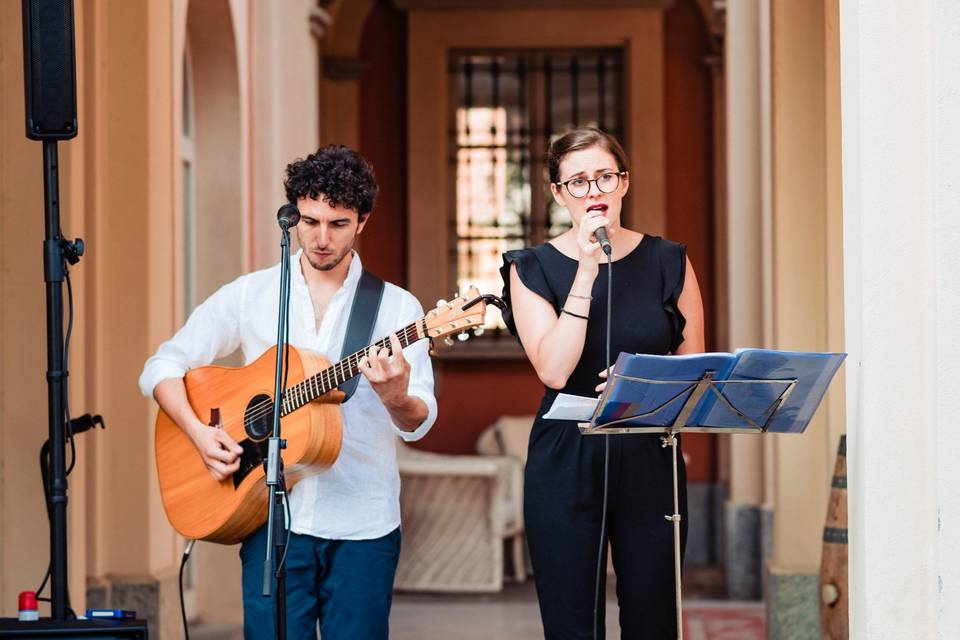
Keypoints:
pixel 719 620
pixel 513 615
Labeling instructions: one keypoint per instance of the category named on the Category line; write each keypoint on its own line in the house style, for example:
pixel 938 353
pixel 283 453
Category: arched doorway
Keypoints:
pixel 212 229
pixel 213 204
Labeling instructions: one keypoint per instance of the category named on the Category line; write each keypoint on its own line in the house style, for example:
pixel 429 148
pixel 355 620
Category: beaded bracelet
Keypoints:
pixel 575 315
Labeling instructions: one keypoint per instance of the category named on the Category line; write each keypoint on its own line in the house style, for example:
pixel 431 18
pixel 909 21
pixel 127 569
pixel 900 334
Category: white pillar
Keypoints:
pixel 901 166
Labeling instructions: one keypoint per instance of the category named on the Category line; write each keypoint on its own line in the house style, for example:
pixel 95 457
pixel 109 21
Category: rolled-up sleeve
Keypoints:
pixel 421 371
pixel 212 331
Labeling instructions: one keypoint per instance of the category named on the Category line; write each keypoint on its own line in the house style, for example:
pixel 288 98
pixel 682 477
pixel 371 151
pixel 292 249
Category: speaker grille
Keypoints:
pixel 49 69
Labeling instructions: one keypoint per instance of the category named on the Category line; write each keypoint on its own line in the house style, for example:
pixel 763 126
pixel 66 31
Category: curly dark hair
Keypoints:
pixel 337 173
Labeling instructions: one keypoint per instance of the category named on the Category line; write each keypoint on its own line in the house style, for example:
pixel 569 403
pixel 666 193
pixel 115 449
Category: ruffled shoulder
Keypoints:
pixel 530 271
pixel 673 271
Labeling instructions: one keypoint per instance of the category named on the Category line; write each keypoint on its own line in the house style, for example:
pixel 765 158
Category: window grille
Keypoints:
pixel 507 107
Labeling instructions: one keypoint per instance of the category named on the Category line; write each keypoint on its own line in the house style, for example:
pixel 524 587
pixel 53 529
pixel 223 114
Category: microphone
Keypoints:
pixel 288 216
pixel 601 235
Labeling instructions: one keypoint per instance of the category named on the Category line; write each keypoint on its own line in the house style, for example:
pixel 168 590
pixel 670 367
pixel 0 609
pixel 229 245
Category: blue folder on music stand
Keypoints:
pixel 753 390
pixel 750 391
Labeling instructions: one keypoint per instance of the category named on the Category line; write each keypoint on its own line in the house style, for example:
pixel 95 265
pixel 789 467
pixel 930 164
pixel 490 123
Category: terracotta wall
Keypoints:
pixel 382 137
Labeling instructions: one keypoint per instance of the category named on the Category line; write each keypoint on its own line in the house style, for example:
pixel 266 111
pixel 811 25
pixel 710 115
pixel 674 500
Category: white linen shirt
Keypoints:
pixel 358 497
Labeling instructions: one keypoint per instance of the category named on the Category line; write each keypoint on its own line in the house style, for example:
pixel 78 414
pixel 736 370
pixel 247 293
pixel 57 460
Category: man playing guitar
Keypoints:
pixel 345 535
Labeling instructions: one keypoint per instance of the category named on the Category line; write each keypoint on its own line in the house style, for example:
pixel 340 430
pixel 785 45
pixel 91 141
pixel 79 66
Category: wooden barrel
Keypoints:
pixel 834 618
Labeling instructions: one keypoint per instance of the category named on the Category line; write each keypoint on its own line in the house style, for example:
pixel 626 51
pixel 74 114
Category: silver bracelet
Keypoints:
pixel 573 295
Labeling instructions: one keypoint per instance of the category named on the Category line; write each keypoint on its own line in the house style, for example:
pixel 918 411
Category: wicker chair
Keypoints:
pixel 457 511
pixel 509 436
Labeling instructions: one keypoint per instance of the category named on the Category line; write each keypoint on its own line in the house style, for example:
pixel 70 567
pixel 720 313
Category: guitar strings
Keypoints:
pixel 326 376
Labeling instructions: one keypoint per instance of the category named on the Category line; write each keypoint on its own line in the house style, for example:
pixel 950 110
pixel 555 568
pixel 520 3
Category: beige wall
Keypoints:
pixel 806 251
pixel 220 153
pixel 121 191
pixel 285 110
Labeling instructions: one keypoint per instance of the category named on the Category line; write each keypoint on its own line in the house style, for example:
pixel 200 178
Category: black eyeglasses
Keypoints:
pixel 580 187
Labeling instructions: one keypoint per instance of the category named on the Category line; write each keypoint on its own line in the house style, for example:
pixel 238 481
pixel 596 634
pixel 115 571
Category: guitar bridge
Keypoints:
pixel 215 420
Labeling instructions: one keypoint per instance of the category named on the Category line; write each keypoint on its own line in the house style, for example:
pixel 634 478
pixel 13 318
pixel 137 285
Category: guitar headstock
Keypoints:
pixel 464 312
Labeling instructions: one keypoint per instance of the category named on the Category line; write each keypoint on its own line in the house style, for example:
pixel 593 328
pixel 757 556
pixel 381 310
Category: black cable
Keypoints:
pixel 289 523
pixel 183 608
pixel 66 395
pixel 44 475
pixel 606 459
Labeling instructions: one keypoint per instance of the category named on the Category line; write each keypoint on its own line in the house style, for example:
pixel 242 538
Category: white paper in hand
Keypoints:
pixel 570 407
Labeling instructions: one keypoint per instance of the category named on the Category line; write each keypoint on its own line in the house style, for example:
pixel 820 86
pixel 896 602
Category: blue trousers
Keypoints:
pixel 346 585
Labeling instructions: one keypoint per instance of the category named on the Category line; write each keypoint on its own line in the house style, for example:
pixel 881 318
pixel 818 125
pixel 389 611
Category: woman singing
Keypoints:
pixel 557 293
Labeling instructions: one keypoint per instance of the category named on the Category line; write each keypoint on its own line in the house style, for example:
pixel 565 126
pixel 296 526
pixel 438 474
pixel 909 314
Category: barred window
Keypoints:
pixel 507 108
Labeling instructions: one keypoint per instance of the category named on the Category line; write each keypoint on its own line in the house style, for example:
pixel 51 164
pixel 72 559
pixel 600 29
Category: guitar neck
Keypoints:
pixel 333 376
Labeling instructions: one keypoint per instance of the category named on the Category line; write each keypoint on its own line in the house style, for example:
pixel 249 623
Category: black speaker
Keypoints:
pixel 74 629
pixel 49 69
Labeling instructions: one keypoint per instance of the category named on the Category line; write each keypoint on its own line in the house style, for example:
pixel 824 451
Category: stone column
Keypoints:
pixel 743 271
pixel 901 159
pixel 806 310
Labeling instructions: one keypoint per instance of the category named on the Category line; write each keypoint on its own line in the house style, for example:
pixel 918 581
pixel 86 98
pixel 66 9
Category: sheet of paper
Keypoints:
pixel 570 407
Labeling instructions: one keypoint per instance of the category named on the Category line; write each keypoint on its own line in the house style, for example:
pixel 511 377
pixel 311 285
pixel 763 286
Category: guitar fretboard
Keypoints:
pixel 333 376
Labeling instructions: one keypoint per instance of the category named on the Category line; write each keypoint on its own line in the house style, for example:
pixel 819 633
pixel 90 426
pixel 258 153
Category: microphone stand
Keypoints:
pixel 54 271
pixel 276 522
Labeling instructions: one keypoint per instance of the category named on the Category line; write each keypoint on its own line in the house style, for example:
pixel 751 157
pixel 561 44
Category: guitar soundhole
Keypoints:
pixel 258 417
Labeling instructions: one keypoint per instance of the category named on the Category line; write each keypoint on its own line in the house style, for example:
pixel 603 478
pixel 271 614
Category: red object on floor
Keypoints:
pixel 724 621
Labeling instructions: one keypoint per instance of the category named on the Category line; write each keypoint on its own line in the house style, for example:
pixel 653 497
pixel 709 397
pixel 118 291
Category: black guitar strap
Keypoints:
pixel 363 315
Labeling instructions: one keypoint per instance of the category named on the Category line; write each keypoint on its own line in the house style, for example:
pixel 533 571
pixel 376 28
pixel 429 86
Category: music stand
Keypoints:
pixel 766 383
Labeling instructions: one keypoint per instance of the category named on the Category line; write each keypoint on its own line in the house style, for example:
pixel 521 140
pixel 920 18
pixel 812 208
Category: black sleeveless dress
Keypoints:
pixel 563 490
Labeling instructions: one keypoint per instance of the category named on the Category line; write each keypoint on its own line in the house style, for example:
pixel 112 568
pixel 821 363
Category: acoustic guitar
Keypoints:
pixel 240 401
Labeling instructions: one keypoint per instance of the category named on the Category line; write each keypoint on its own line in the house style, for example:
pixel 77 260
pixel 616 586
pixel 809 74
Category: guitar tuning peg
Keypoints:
pixel 463 336
pixel 441 302
pixel 448 341
pixel 478 331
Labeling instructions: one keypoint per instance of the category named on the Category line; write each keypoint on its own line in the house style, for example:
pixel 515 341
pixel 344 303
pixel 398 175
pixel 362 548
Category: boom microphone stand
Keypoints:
pixel 288 216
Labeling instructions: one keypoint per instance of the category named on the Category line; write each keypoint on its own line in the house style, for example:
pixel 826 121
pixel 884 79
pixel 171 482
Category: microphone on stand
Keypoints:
pixel 601 235
pixel 288 216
